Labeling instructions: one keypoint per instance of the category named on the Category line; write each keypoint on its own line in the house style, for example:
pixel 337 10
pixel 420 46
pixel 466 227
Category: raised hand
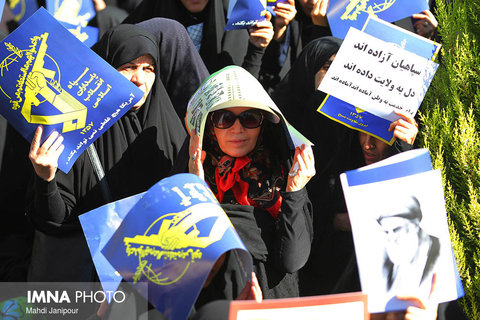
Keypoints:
pixel 285 12
pixel 196 155
pixel 426 23
pixel 262 33
pixel 302 170
pixel 44 157
pixel 319 13
pixel 405 128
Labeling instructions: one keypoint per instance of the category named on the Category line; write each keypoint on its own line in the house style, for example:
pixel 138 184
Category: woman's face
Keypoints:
pixel 307 6
pixel 237 141
pixel 140 72
pixel 323 70
pixel 194 6
pixel 373 149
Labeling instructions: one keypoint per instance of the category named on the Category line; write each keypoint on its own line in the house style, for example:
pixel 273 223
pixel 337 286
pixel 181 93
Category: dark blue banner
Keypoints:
pixel 343 14
pixel 170 239
pixel 49 77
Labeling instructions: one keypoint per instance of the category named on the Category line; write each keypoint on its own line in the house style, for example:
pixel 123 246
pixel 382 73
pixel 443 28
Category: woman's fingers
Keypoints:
pixel 302 170
pixel 196 155
pixel 256 290
pixel 37 137
pixel 44 157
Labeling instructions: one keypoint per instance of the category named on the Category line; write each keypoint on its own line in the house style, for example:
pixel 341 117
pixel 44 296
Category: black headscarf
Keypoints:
pixel 139 149
pixel 336 150
pixel 107 18
pixel 299 100
pixel 181 69
pixel 219 48
pixel 136 151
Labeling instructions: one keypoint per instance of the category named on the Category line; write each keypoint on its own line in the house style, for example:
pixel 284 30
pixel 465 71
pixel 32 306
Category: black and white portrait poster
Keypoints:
pixel 400 231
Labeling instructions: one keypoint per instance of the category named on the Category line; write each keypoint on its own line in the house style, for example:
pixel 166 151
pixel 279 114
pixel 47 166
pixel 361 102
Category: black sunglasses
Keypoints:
pixel 250 119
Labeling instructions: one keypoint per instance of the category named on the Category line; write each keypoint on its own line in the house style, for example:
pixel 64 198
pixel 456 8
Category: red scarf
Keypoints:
pixel 236 177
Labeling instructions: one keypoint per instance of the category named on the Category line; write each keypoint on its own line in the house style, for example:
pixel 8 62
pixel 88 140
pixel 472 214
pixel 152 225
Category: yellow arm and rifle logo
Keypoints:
pixel 178 238
pixel 356 7
pixel 73 113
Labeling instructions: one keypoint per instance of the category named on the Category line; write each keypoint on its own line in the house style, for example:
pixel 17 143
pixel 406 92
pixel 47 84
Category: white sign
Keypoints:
pixel 378 76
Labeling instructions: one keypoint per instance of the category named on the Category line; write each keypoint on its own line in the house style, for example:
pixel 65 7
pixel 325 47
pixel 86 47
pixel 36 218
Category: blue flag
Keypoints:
pixel 75 15
pixel 50 78
pixel 22 9
pixel 88 35
pixel 98 226
pixel 76 12
pixel 343 14
pixel 170 239
pixel 365 121
pixel 245 13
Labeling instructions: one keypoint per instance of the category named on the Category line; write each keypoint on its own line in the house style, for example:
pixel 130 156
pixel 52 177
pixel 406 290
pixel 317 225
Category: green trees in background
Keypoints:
pixel 450 123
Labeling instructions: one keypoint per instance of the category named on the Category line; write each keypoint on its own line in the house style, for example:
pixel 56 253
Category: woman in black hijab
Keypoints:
pixel 336 150
pixel 219 48
pixel 181 69
pixel 247 159
pixel 135 152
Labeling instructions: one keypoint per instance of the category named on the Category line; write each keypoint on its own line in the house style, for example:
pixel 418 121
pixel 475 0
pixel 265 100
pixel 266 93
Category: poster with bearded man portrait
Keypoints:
pixel 401 236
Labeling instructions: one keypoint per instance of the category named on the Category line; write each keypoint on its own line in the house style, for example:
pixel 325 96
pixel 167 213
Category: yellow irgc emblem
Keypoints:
pixel 356 7
pixel 35 81
pixel 177 238
pixel 13 4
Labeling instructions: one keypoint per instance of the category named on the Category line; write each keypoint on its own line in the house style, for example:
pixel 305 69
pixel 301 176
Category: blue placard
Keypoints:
pixel 365 121
pixel 49 77
pixel 88 35
pixel 75 12
pixel 22 9
pixel 75 15
pixel 343 14
pixel 98 226
pixel 243 14
pixel 170 239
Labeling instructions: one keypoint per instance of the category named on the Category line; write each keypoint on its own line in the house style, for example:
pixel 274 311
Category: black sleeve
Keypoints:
pixel 253 59
pixel 54 206
pixel 47 202
pixel 294 230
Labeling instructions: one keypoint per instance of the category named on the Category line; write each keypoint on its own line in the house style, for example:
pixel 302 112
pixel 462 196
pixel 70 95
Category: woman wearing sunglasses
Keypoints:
pixel 246 159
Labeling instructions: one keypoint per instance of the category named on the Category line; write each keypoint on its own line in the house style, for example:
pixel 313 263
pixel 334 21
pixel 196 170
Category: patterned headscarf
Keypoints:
pixel 255 179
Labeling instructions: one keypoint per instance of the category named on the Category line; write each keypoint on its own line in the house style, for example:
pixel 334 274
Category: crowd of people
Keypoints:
pixel 286 203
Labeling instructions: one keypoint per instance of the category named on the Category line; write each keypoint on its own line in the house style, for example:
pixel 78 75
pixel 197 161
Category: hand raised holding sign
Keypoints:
pixel 302 170
pixel 405 128
pixel 285 12
pixel 197 155
pixel 262 33
pixel 44 157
